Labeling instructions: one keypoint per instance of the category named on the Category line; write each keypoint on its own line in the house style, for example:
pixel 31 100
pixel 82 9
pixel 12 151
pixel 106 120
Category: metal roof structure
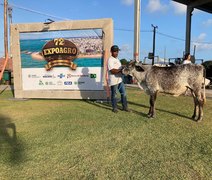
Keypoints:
pixel 204 5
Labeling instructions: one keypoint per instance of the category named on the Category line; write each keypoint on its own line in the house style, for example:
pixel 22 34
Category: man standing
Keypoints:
pixel 115 80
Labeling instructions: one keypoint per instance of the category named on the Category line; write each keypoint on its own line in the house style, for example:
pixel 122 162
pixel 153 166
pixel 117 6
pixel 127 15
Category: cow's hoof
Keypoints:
pixel 199 119
pixel 150 116
pixel 193 117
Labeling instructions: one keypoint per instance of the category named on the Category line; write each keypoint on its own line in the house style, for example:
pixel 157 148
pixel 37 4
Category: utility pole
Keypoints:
pixel 194 50
pixel 188 28
pixel 136 30
pixel 165 55
pixel 5 39
pixel 5 29
pixel 153 49
pixel 10 10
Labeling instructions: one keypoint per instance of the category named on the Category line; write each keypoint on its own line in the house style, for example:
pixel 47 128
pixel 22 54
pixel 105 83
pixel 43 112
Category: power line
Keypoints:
pixel 118 29
pixel 162 34
pixel 130 30
pixel 176 38
pixel 37 12
pixel 166 35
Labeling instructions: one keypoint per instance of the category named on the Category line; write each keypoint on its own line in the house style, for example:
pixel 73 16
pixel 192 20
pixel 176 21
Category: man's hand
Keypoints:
pixel 116 71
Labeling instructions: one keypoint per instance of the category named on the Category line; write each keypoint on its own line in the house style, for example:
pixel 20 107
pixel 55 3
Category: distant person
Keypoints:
pixel 187 58
pixel 115 80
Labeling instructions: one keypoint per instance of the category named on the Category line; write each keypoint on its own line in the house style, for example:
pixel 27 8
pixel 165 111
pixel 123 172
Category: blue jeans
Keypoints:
pixel 121 88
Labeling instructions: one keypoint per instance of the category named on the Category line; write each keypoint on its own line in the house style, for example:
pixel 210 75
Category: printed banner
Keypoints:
pixel 82 78
pixel 69 60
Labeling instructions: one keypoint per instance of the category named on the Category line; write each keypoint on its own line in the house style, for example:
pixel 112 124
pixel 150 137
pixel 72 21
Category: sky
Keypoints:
pixel 167 15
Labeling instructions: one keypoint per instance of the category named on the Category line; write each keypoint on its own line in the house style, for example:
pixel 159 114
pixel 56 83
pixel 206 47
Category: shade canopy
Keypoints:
pixel 204 5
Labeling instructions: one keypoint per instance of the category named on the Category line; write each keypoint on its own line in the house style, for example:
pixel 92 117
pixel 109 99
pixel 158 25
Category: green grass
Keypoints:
pixel 76 139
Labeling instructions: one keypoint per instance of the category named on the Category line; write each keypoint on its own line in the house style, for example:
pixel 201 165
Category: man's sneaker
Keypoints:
pixel 115 110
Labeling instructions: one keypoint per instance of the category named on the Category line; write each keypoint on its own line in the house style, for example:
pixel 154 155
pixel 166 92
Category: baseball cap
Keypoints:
pixel 114 48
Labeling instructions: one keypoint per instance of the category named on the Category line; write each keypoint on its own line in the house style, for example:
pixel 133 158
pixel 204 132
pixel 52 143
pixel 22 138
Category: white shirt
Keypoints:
pixel 114 63
pixel 186 62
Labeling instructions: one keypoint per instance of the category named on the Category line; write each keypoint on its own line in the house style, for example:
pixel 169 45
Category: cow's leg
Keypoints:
pixel 150 109
pixel 200 103
pixel 198 110
pixel 195 105
pixel 195 96
pixel 152 100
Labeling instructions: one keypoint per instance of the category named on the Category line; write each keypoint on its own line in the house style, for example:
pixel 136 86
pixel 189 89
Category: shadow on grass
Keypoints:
pixel 11 148
pixel 162 110
pixel 5 88
pixel 107 106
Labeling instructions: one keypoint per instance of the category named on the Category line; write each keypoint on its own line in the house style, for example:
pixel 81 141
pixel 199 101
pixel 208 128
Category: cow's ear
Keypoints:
pixel 132 63
pixel 139 68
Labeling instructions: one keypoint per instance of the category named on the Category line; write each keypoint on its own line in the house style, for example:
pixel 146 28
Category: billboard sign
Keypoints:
pixel 60 63
pixel 62 58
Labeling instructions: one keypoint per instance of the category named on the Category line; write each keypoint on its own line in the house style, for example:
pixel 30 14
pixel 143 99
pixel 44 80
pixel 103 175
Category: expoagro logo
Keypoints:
pixel 59 52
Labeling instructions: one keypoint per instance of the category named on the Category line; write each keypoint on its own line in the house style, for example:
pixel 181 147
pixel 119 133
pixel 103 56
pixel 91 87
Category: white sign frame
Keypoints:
pixel 22 92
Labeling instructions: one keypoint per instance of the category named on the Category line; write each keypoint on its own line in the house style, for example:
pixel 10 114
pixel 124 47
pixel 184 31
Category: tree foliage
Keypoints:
pixel 123 61
pixel 208 68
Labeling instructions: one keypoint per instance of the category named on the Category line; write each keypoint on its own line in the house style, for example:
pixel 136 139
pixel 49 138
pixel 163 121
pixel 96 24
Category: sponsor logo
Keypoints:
pixel 49 83
pixel 33 76
pixel 61 76
pixel 68 76
pixel 59 52
pixel 59 83
pixel 79 82
pixel 92 75
pixel 41 82
pixel 76 75
pixel 48 76
pixel 68 83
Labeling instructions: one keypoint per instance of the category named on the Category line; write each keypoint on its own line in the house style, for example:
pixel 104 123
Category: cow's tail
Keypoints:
pixel 203 94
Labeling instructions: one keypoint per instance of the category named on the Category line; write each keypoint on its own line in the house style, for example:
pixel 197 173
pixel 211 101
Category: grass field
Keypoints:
pixel 76 139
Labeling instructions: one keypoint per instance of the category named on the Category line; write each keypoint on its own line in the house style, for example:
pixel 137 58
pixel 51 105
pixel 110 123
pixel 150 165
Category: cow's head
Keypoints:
pixel 131 67
pixel 137 70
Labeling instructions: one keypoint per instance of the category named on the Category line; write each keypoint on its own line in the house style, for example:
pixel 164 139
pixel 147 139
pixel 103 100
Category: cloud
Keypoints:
pixel 207 23
pixel 178 8
pixel 127 2
pixel 201 37
pixel 126 51
pixel 200 44
pixel 125 47
pixel 156 6
pixel 201 47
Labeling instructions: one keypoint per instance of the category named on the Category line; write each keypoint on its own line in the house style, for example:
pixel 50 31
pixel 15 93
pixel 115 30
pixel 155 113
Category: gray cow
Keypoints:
pixel 173 80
